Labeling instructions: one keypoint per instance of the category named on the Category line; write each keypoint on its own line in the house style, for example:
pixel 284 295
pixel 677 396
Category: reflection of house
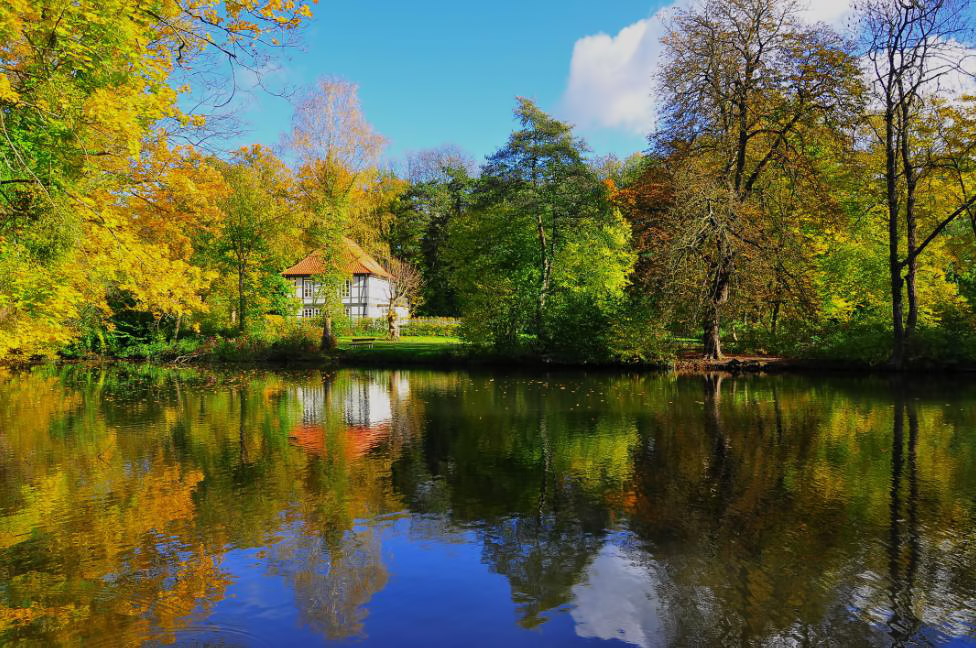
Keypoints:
pixel 365 293
pixel 363 404
pixel 367 404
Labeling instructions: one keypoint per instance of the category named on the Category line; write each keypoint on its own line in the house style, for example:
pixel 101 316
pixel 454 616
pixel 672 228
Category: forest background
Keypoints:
pixel 805 193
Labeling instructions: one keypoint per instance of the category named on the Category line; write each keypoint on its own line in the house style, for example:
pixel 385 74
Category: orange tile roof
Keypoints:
pixel 356 440
pixel 354 261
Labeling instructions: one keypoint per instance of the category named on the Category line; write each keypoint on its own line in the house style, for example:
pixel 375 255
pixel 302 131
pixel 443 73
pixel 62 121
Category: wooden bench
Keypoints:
pixel 362 341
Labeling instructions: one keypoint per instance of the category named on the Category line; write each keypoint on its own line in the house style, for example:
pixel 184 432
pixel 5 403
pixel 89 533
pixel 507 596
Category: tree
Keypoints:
pixel 542 175
pixel 260 227
pixel 338 151
pixel 88 96
pixel 403 291
pixel 441 181
pixel 914 49
pixel 741 81
pixel 559 254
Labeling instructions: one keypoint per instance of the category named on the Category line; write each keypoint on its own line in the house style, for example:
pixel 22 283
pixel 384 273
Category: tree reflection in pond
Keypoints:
pixel 147 505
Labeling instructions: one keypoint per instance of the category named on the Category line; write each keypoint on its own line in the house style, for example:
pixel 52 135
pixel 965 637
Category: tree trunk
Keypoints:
pixel 897 360
pixel 894 267
pixel 710 333
pixel 393 324
pixel 718 295
pixel 911 224
pixel 329 342
pixel 546 274
pixel 176 329
pixel 240 298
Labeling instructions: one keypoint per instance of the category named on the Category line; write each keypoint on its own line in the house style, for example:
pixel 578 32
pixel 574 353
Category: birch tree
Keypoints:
pixel 337 150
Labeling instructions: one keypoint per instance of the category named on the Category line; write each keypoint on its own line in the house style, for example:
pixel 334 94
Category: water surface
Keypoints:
pixel 417 508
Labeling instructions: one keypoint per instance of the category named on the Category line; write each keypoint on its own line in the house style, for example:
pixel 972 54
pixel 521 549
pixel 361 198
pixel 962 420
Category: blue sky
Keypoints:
pixel 434 72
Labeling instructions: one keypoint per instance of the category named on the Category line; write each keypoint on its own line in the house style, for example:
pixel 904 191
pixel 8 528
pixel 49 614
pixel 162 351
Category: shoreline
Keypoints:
pixel 450 360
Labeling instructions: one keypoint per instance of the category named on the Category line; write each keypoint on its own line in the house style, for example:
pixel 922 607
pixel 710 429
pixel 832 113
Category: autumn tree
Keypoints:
pixel 261 226
pixel 916 53
pixel 88 92
pixel 741 81
pixel 337 150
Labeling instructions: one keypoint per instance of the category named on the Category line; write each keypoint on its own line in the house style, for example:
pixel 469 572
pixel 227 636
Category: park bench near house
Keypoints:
pixel 362 341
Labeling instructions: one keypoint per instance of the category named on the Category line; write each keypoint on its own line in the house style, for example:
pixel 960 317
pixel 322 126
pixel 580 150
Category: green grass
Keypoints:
pixel 406 349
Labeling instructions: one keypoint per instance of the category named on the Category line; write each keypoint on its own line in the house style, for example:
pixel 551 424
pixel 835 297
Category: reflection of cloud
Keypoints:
pixel 618 600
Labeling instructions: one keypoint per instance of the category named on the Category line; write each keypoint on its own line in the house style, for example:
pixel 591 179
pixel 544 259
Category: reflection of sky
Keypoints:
pixel 617 600
pixel 439 593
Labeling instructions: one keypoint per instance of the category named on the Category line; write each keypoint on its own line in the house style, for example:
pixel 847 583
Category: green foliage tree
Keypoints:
pixel 260 229
pixel 559 255
pixel 439 192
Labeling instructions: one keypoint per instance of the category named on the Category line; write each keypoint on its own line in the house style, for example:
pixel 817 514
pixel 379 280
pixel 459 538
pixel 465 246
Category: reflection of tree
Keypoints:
pixel 542 557
pixel 333 581
pixel 720 466
pixel 727 532
pixel 334 567
pixel 123 532
pixel 526 463
pixel 770 510
pixel 903 623
pixel 809 492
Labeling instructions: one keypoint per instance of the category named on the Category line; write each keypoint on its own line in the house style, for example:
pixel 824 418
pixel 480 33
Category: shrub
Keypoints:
pixel 296 343
pixel 867 342
pixel 637 336
pixel 370 326
pixel 432 327
pixel 159 350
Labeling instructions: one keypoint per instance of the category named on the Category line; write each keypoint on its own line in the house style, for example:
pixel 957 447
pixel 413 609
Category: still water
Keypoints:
pixel 416 508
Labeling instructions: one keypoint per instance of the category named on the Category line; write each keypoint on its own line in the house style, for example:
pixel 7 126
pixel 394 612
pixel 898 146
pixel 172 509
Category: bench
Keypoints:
pixel 362 341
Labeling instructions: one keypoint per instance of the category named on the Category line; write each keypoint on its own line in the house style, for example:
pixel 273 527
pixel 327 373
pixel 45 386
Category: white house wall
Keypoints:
pixel 376 293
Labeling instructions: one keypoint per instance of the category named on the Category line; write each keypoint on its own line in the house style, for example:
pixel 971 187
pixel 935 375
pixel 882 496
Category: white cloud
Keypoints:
pixel 835 13
pixel 611 78
pixel 618 599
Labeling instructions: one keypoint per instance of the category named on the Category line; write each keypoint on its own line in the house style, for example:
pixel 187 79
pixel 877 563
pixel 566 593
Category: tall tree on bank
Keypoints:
pixel 441 182
pixel 337 150
pixel 260 226
pixel 741 81
pixel 540 258
pixel 916 51
pixel 541 173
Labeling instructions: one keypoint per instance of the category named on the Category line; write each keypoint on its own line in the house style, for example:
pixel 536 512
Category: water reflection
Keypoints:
pixel 145 505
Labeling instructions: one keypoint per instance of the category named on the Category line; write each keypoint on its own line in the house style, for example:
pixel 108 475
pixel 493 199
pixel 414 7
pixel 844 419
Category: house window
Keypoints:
pixel 310 288
pixel 346 288
pixel 311 312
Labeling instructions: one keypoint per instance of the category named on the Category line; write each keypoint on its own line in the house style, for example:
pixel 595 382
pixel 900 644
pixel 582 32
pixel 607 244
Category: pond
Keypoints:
pixel 141 505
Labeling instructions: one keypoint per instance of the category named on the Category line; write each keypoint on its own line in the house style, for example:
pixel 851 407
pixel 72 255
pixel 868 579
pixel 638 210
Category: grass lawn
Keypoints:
pixel 407 348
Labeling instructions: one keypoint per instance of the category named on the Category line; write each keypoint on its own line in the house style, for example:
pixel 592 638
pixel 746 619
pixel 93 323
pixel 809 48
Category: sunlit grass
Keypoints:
pixel 406 348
